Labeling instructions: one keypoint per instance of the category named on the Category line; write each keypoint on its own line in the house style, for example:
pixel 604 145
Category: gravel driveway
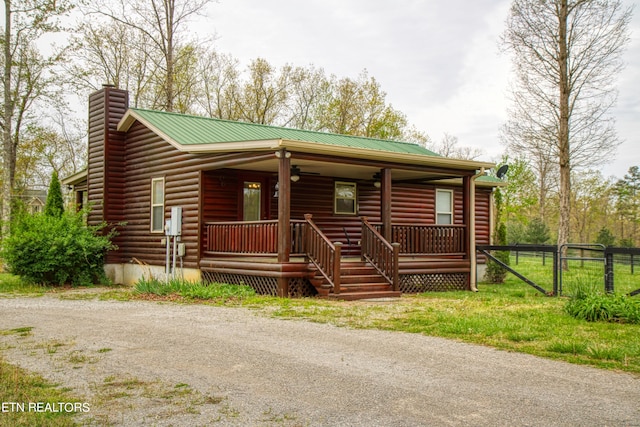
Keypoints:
pixel 144 363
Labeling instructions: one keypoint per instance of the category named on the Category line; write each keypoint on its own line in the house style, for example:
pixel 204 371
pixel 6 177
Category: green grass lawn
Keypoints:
pixel 30 400
pixel 10 284
pixel 510 317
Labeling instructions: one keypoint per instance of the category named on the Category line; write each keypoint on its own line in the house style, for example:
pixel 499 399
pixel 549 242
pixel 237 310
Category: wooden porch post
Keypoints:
pixel 385 203
pixel 284 215
pixel 466 214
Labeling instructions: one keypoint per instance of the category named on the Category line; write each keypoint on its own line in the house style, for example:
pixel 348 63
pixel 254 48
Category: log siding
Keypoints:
pixel 122 165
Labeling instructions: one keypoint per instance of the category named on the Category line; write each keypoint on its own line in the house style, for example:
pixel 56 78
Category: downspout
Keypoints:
pixel 472 229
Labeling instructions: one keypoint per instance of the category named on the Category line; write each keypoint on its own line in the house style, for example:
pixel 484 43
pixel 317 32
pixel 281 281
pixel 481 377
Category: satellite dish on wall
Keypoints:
pixel 502 171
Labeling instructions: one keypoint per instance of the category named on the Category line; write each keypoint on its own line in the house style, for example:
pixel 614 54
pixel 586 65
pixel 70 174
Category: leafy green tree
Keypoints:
pixel 627 194
pixel 591 205
pixel 626 243
pixel 519 195
pixel 54 206
pixel 358 107
pixel 537 232
pixel 495 273
pixel 516 233
pixel 606 237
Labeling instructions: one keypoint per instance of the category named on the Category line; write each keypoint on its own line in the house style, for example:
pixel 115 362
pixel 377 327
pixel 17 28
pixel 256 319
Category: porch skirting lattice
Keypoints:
pixel 298 286
pixel 438 282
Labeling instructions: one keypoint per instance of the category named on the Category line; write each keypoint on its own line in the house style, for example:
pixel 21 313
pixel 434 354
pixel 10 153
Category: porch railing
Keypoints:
pixel 322 253
pixel 429 239
pixel 261 238
pixel 380 253
pixel 250 237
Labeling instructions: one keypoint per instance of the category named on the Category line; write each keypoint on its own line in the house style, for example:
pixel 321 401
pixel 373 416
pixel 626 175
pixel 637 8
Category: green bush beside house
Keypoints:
pixel 56 250
pixel 56 247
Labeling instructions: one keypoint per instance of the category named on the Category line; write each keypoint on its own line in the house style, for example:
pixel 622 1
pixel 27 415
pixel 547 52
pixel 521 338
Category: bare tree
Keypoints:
pixel 220 85
pixel 565 54
pixel 163 23
pixel 264 96
pixel 448 147
pixel 97 54
pixel 108 52
pixel 309 89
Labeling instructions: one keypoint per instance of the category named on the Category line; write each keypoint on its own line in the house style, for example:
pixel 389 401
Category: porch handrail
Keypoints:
pixel 322 253
pixel 430 239
pixel 380 253
pixel 250 237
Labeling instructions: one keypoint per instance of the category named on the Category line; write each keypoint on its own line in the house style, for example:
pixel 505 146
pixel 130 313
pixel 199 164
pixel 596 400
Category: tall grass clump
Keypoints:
pixel 587 303
pixel 192 290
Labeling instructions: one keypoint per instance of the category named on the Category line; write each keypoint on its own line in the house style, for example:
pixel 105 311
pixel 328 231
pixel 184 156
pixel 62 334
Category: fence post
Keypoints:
pixel 556 266
pixel 608 272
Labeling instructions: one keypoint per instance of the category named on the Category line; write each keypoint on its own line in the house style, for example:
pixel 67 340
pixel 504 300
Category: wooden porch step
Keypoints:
pixel 361 278
pixel 365 287
pixel 354 296
pixel 358 280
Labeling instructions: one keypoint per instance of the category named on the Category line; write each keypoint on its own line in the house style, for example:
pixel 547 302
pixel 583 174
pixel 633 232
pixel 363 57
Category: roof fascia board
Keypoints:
pixel 385 156
pixel 131 116
pixel 218 147
pixel 76 178
pixel 479 183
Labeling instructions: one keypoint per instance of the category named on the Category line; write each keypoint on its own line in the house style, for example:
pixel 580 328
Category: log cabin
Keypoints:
pixel 289 212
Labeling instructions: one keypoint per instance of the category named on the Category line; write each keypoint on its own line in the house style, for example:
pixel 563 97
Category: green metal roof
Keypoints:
pixel 193 130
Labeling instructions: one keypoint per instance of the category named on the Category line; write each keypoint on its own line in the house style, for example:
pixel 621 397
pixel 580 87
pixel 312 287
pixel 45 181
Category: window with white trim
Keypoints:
pixel 345 198
pixel 157 205
pixel 444 207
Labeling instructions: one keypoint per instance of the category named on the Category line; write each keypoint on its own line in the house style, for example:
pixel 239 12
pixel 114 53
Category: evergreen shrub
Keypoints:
pixel 495 273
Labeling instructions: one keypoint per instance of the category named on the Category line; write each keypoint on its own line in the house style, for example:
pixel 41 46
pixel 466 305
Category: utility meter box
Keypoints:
pixel 175 226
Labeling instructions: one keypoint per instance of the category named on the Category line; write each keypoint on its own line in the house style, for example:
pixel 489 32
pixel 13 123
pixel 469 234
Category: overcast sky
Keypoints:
pixel 437 60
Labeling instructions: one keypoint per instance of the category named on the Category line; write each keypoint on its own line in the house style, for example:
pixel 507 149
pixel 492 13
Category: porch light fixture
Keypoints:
pixel 295 173
pixel 376 180
pixel 277 192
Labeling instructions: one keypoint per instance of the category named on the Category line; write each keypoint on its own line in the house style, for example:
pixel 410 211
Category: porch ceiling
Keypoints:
pixel 343 170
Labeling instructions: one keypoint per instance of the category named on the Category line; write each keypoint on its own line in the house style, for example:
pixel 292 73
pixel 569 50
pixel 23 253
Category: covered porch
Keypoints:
pixel 337 226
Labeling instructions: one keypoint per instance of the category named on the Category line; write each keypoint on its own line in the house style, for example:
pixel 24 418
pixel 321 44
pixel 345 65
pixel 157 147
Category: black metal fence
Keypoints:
pixel 559 271
pixel 541 267
pixel 620 274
